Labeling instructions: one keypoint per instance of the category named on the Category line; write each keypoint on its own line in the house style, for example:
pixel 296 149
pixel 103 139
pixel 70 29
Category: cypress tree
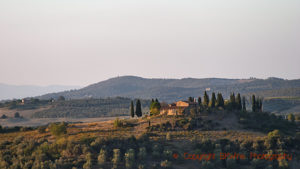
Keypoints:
pixel 253 103
pixel 238 102
pixel 157 104
pixel 205 99
pixel 191 99
pixel 220 100
pixel 257 106
pixel 244 104
pixel 131 109
pixel 232 101
pixel 199 101
pixel 260 105
pixel 138 110
pixel 213 100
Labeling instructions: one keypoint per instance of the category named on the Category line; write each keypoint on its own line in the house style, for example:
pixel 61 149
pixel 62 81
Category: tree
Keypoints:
pixel 129 159
pixel 138 110
pixel 155 107
pixel 116 158
pixel 257 104
pixel 191 99
pixel 232 101
pixel 3 116
pixel 253 103
pixel 220 100
pixel 88 163
pixel 142 155
pixel 291 117
pixel 17 115
pixel 205 99
pixel 244 104
pixel 61 98
pixel 102 157
pixel 58 129
pixel 199 101
pixel 213 100
pixel 260 105
pixel 238 102
pixel 131 109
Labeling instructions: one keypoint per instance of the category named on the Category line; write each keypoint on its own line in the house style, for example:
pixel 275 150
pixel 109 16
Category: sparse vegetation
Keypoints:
pixel 136 144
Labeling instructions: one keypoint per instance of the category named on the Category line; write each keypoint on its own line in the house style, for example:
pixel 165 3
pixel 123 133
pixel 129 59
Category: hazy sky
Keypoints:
pixel 78 42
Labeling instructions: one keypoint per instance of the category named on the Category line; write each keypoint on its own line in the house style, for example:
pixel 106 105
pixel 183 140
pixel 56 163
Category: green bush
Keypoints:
pixel 102 157
pixel 58 129
pixel 88 163
pixel 118 123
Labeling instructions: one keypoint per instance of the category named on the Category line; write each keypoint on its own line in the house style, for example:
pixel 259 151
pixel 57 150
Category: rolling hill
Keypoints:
pixel 169 90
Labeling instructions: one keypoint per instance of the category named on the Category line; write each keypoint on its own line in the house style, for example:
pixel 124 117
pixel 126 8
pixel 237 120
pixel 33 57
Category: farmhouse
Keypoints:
pixel 177 108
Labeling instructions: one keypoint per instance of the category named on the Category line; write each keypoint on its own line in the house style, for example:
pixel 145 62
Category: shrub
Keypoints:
pixel 118 123
pixel 283 164
pixel 166 164
pixel 141 166
pixel 88 163
pixel 274 134
pixel 167 154
pixel 58 129
pixel 142 155
pixel 102 157
pixel 17 115
pixel 116 158
pixel 156 151
pixel 291 117
pixel 129 159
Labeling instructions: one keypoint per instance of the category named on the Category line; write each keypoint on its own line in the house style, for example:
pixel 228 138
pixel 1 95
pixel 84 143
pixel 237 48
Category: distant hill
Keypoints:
pixel 169 90
pixel 18 92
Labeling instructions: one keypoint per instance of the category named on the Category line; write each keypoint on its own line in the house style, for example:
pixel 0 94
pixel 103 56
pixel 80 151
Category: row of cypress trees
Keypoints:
pixel 138 109
pixel 256 104
pixel 234 102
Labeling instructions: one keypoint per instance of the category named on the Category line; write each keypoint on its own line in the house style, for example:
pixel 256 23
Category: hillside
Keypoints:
pixel 156 142
pixel 76 108
pixel 175 89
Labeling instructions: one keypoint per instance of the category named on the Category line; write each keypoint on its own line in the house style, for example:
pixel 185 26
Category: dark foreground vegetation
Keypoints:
pixel 54 147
